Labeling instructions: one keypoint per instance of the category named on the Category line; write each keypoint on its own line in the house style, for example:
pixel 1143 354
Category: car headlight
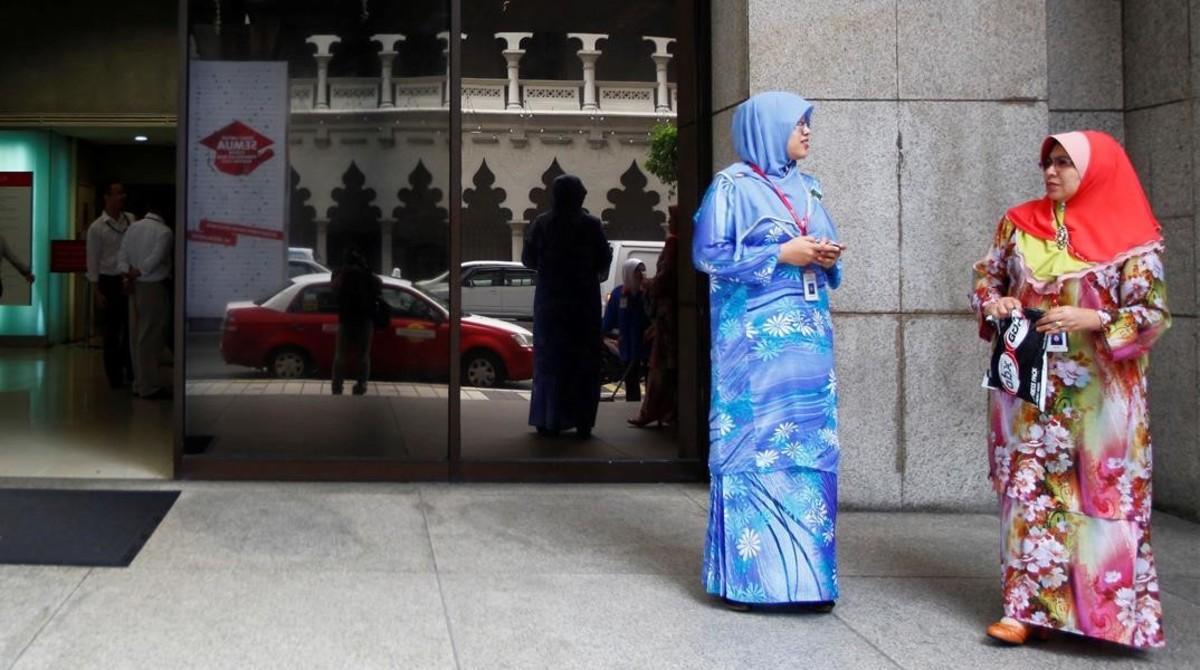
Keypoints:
pixel 523 339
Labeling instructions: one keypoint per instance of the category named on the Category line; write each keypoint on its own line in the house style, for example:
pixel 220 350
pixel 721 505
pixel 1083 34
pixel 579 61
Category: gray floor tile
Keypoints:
pixel 1176 545
pixel 632 621
pixel 29 596
pixel 918 545
pixel 292 526
pixel 1187 588
pixel 939 623
pixel 565 529
pixel 247 619
pixel 698 493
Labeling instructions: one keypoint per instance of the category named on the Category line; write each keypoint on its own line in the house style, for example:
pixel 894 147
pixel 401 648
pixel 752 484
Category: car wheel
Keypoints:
pixel 288 363
pixel 482 369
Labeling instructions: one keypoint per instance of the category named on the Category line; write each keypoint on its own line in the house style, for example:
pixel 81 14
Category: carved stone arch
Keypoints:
pixel 633 215
pixel 421 239
pixel 302 226
pixel 486 233
pixel 354 220
pixel 540 195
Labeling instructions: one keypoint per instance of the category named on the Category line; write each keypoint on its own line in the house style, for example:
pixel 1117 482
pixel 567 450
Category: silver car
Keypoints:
pixel 490 288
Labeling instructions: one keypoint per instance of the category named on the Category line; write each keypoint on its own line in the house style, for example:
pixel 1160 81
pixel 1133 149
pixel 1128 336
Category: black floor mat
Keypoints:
pixel 80 528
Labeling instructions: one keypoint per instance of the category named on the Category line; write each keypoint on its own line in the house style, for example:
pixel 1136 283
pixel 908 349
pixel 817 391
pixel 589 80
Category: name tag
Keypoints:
pixel 1057 343
pixel 810 287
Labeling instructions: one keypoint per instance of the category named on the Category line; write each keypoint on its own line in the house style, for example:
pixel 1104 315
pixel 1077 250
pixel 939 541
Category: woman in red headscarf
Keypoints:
pixel 1074 480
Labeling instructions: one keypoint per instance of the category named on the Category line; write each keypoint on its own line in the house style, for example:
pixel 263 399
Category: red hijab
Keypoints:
pixel 1109 214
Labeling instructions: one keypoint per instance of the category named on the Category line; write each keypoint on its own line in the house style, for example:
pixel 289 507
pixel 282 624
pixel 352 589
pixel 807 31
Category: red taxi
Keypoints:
pixel 292 334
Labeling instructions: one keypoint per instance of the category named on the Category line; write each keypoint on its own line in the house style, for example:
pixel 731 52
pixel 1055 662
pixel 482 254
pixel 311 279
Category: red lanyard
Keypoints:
pixel 800 223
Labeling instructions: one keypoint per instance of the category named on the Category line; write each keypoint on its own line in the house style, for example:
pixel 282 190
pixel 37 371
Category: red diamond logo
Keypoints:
pixel 238 149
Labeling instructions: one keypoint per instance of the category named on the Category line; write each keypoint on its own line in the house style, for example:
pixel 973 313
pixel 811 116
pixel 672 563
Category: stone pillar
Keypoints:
pixel 902 337
pixel 1161 101
pixel 323 56
pixel 388 42
pixel 444 36
pixel 512 56
pixel 589 54
pixel 661 59
pixel 518 238
pixel 323 240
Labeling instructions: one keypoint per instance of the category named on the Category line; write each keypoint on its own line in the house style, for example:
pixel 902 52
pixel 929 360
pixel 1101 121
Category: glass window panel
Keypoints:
pixel 318 142
pixel 552 88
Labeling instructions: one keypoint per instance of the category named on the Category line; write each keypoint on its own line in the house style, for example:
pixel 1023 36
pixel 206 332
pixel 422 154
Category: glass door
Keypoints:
pixel 570 259
pixel 317 322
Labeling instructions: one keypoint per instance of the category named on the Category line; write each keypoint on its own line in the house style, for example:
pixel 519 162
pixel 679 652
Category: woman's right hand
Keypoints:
pixel 801 251
pixel 1002 308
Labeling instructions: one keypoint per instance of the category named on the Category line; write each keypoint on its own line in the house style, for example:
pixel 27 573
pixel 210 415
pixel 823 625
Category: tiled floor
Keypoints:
pixel 520 576
pixel 59 418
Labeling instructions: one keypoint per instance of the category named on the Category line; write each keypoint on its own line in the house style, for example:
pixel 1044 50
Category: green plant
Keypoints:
pixel 663 161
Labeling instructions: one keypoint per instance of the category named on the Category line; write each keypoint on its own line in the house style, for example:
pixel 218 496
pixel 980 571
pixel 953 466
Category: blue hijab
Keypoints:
pixel 762 125
pixel 742 222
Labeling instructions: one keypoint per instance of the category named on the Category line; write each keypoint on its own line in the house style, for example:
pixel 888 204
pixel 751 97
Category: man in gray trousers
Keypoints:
pixel 145 261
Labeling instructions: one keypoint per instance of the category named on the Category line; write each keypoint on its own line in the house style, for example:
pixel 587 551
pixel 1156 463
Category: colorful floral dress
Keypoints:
pixel 1074 481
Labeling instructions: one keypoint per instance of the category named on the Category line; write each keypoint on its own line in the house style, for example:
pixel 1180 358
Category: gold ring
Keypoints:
pixel 1058 324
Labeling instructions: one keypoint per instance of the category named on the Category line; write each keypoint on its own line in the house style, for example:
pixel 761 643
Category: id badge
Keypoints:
pixel 1057 343
pixel 810 287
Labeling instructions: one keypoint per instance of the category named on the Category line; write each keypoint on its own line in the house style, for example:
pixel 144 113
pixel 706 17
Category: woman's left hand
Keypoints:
pixel 1069 320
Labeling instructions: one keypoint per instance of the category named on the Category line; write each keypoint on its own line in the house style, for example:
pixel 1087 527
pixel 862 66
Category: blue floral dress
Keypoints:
pixel 773 418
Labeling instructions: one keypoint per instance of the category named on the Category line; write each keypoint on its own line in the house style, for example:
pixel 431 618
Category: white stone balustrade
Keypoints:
pixel 661 59
pixel 589 54
pixel 512 94
pixel 444 38
pixel 323 56
pixel 354 93
pixel 512 56
pixel 387 56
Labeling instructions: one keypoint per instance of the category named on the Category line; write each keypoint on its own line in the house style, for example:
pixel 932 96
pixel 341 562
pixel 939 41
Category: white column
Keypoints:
pixel 323 43
pixel 385 246
pixel 518 238
pixel 444 36
pixel 588 54
pixel 512 55
pixel 661 58
pixel 387 55
pixel 323 241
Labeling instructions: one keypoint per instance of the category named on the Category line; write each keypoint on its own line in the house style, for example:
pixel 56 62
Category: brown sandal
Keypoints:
pixel 1013 632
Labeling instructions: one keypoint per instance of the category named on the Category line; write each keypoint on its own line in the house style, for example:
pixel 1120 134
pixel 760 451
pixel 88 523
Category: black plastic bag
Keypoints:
pixel 1018 362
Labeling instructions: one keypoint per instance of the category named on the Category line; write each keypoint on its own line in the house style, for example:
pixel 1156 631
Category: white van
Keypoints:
pixel 646 251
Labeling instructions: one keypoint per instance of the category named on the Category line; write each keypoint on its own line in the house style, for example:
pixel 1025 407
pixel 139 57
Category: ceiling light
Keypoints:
pixel 140 138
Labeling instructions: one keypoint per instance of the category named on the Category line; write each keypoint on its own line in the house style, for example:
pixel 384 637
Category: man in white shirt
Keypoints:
pixel 104 237
pixel 145 261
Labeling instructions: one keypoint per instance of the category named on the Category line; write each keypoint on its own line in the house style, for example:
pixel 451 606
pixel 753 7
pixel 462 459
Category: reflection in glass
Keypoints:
pixel 359 163
pixel 550 89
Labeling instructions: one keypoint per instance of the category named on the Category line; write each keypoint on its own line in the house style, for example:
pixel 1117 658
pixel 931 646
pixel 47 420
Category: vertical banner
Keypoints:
pixel 16 226
pixel 237 183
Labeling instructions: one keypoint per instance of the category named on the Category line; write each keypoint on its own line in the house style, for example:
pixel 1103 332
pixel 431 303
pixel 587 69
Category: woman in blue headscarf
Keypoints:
pixel 770 251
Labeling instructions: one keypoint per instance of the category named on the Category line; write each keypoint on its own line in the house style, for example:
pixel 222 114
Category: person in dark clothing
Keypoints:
pixel 357 290
pixel 662 379
pixel 626 312
pixel 568 249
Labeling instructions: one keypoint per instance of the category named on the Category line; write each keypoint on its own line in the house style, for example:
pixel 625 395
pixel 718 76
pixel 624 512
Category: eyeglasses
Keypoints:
pixel 802 125
pixel 1059 163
